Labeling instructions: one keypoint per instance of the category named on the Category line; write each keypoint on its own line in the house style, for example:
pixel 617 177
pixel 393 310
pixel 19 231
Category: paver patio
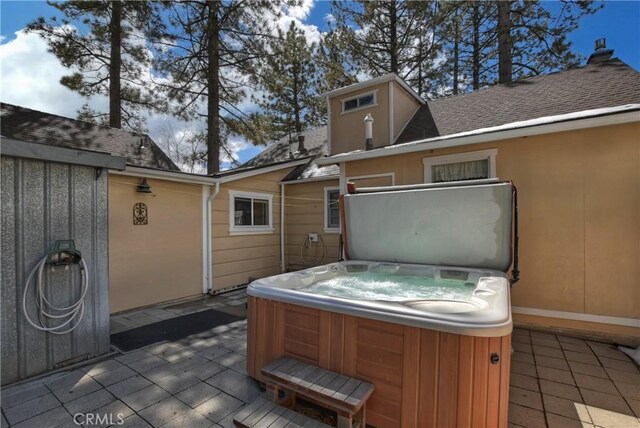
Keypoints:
pixel 201 381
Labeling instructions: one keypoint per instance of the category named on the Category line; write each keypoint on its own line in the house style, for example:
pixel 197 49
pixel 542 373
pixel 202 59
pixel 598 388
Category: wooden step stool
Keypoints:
pixel 342 394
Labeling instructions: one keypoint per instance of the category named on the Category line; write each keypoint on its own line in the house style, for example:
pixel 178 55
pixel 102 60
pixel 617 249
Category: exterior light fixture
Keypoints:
pixel 368 131
pixel 143 187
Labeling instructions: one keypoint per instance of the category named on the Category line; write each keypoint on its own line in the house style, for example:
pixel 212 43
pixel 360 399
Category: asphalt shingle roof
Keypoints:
pixel 599 85
pixel 34 126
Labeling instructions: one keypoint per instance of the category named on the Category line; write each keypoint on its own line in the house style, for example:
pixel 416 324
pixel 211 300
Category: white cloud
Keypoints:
pixel 301 11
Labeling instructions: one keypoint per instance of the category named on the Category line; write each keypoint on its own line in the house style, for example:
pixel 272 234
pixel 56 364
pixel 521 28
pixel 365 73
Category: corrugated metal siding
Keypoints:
pixel 43 202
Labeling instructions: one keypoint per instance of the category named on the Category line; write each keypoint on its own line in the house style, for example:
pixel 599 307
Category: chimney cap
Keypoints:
pixel 601 54
pixel 601 44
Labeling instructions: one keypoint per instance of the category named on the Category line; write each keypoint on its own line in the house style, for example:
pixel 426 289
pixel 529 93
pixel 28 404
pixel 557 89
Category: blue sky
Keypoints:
pixel 618 22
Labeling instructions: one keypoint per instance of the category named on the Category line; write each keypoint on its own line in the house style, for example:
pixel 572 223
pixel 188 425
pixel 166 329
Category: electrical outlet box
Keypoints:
pixel 313 237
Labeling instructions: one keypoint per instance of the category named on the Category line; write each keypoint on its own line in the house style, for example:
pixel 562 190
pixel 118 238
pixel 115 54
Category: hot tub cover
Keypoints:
pixel 465 224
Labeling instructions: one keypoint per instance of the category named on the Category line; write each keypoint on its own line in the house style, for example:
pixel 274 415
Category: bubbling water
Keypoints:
pixel 390 287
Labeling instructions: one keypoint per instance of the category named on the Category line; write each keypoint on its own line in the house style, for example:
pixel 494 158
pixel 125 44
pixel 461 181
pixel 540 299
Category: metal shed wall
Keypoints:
pixel 43 202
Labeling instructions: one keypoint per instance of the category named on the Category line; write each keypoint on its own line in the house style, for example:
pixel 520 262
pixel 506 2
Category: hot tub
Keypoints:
pixel 434 338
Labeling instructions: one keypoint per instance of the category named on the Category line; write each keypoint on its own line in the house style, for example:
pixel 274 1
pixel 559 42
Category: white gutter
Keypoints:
pixel 389 77
pixel 546 125
pixel 258 171
pixel 134 171
pixel 312 179
pixel 282 266
pixel 209 267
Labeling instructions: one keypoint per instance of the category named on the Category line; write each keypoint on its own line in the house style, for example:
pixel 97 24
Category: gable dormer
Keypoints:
pixel 389 100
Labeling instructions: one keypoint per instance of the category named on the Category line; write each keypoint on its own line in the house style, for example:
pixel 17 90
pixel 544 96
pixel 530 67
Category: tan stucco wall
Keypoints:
pixel 404 107
pixel 347 130
pixel 304 214
pixel 162 260
pixel 579 204
pixel 239 259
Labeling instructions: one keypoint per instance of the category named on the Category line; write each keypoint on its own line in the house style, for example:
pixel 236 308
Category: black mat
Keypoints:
pixel 171 329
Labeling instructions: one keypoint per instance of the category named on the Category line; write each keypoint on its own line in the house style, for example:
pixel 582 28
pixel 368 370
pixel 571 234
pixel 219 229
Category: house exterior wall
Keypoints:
pixel 43 202
pixel 238 259
pixel 347 130
pixel 579 206
pixel 304 214
pixel 404 107
pixel 160 261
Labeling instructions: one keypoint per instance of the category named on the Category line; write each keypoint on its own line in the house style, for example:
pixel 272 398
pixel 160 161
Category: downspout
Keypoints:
pixel 282 264
pixel 209 238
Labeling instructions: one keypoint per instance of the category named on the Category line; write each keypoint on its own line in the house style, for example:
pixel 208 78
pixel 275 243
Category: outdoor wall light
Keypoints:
pixel 143 187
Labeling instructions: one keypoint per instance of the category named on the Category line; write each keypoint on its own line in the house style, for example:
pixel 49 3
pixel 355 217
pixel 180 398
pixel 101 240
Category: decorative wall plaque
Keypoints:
pixel 140 215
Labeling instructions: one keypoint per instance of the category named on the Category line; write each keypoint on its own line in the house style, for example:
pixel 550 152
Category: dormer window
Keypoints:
pixel 359 101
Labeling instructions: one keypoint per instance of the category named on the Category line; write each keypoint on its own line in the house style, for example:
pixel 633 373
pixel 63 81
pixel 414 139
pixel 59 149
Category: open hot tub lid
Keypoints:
pixel 458 224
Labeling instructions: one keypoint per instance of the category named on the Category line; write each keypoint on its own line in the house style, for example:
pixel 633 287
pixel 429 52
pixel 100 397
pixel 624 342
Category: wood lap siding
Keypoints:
pixel 422 377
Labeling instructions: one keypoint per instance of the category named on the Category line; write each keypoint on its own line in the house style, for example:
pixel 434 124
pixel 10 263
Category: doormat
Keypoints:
pixel 171 329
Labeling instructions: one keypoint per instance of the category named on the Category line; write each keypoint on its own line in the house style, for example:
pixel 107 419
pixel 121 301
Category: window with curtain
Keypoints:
pixel 469 170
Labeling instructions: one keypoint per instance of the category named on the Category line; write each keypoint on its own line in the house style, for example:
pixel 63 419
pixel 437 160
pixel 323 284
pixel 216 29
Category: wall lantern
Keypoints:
pixel 143 187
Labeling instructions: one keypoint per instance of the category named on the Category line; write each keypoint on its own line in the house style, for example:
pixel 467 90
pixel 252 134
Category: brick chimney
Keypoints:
pixel 301 148
pixel 601 54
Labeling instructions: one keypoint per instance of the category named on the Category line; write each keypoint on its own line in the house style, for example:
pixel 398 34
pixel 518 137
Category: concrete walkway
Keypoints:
pixel 200 381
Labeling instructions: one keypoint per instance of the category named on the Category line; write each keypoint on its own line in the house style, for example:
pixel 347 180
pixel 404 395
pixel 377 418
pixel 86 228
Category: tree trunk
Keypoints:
pixel 456 53
pixel 115 63
pixel 393 41
pixel 213 99
pixel 476 47
pixel 504 42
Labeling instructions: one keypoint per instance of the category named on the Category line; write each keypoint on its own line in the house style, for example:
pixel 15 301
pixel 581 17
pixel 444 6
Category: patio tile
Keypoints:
pixel 101 367
pixel 547 352
pixel 114 412
pixel 145 397
pixel 595 383
pixel 80 389
pixel 31 408
pixel 556 375
pixel 557 421
pixel 587 369
pixel 21 393
pixel 63 380
pixel 58 417
pixel 190 362
pixel 582 357
pixel 178 355
pixel 542 335
pixel 113 376
pixel 240 367
pixel 575 347
pixel 607 350
pixel 608 418
pixel 628 390
pixel 623 376
pixel 525 382
pixel 213 352
pixel 90 402
pixel 197 394
pixel 560 390
pixel 635 406
pixel 522 357
pixel 554 363
pixel 128 386
pixel 230 359
pixel 235 384
pixel 175 384
pixel 135 421
pixel 522 347
pixel 613 403
pixel 164 411
pixel 238 345
pixel 567 408
pixel 158 348
pixel 3 421
pixel 218 407
pixel 191 419
pixel 206 371
pixel 154 375
pixel 549 343
pixel 525 397
pixel 147 363
pixel 133 356
pixel 521 332
pixel 612 363
pixel 526 417
pixel 523 368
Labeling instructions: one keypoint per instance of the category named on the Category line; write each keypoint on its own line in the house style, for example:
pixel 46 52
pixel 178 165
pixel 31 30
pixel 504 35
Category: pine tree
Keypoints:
pixel 111 58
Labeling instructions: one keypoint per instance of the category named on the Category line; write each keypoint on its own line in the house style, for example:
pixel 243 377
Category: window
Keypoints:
pixel 250 213
pixel 331 210
pixel 462 166
pixel 359 101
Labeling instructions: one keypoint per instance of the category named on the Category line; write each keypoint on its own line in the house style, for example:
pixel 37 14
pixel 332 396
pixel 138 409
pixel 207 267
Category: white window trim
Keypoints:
pixel 249 230
pixel 489 154
pixel 382 174
pixel 363 94
pixel 328 229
